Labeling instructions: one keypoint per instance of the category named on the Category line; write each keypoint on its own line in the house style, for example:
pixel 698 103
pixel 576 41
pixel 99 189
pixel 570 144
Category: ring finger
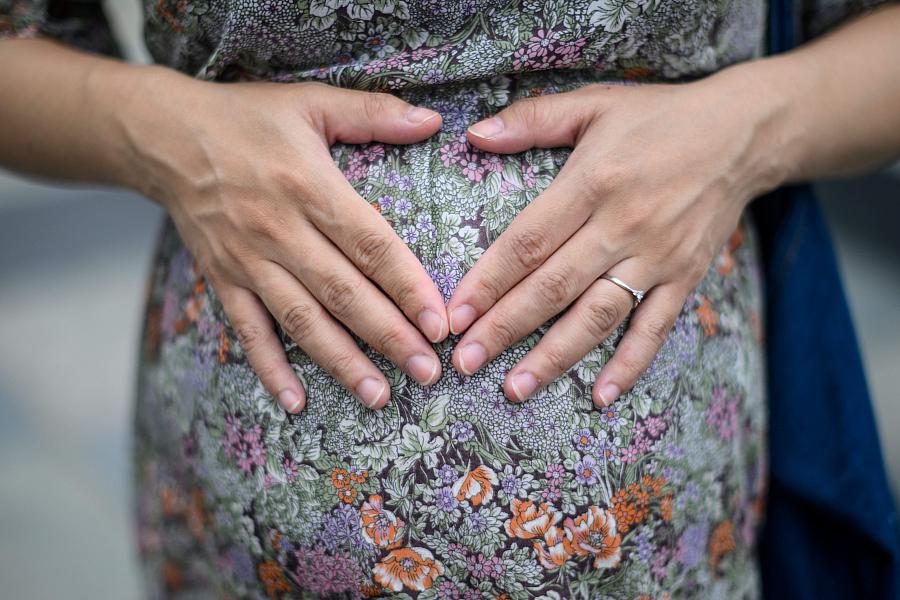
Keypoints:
pixel 592 318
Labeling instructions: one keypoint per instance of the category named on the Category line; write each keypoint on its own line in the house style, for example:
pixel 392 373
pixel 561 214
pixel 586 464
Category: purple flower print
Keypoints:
pixel 583 440
pixel 403 206
pixel 586 470
pixel 405 183
pixel 462 431
pixel 445 500
pixel 471 167
pixel 510 484
pixel 611 417
pixel 385 202
pixel 492 162
pixel 446 474
pixel 661 562
pixel 477 522
pixel 244 446
pixel 326 574
pixel 392 178
pixel 692 545
pixel 554 472
pixel 432 76
pixel 482 567
pixel 410 235
pixel 341 529
pixel 447 590
pixel 722 414
pixel 291 469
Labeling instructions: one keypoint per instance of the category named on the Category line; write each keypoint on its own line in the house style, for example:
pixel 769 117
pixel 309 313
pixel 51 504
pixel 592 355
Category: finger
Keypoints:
pixel 647 332
pixel 553 121
pixel 253 328
pixel 359 117
pixel 535 234
pixel 324 340
pixel 374 248
pixel 357 303
pixel 589 321
pixel 545 293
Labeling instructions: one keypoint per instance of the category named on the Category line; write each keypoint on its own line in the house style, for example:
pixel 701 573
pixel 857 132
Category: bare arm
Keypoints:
pixel 833 105
pixel 59 109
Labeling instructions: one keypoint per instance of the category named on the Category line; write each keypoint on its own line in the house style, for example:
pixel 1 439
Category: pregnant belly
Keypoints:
pixel 452 485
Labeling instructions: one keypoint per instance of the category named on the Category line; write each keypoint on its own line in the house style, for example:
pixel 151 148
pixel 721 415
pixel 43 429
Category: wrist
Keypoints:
pixel 148 102
pixel 768 105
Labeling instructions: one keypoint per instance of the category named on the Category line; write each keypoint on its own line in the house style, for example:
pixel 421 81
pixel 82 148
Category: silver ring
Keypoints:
pixel 638 295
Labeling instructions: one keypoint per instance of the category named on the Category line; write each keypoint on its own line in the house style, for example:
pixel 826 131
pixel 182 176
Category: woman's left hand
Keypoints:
pixel 656 183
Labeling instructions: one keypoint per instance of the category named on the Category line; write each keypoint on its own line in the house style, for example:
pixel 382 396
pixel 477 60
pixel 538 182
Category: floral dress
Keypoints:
pixel 450 491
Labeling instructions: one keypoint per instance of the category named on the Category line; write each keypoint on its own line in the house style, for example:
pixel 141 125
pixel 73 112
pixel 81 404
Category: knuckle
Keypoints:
pixel 503 332
pixel 656 330
pixel 299 321
pixel 388 340
pixel 488 289
pixel 339 295
pixel 555 288
pixel 555 357
pixel 528 111
pixel 601 318
pixel 374 105
pixel 371 249
pixel 250 337
pixel 530 248
pixel 340 364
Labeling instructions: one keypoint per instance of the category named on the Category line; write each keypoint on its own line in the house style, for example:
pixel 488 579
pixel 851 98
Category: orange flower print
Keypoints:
pixel 340 478
pixel 721 542
pixel 665 508
pixel 708 317
pixel 380 526
pixel 413 568
pixel 476 486
pixel 358 475
pixel 594 534
pixel 530 521
pixel 347 494
pixel 557 551
pixel 272 576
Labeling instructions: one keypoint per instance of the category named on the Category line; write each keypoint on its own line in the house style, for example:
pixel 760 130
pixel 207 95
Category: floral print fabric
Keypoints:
pixel 451 491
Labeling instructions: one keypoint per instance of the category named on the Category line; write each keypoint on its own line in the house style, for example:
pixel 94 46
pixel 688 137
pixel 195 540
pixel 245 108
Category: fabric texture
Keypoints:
pixel 237 498
pixel 833 472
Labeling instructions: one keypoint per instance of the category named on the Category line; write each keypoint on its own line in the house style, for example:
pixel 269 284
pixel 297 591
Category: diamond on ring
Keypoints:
pixel 638 295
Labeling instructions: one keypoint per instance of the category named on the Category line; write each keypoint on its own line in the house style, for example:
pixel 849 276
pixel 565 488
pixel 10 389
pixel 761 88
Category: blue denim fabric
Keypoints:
pixel 831 529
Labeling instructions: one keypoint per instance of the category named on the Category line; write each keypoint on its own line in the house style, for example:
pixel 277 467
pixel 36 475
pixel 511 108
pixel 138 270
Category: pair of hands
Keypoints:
pixel 655 184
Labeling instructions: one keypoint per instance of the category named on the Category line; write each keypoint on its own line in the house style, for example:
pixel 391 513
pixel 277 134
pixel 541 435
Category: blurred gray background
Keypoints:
pixel 73 263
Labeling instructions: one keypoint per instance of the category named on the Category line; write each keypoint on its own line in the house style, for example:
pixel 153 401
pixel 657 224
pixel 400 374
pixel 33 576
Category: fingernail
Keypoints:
pixel 370 390
pixel 422 368
pixel 487 129
pixel 419 115
pixel 608 393
pixel 471 357
pixel 290 400
pixel 523 385
pixel 460 318
pixel 431 324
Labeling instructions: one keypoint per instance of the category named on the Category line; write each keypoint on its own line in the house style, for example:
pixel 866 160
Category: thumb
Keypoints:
pixel 358 117
pixel 550 121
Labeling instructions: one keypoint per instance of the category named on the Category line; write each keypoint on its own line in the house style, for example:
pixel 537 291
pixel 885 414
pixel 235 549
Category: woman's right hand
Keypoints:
pixel 245 171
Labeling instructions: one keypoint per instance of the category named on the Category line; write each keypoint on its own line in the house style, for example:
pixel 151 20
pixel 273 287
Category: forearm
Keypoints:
pixel 62 112
pixel 830 108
